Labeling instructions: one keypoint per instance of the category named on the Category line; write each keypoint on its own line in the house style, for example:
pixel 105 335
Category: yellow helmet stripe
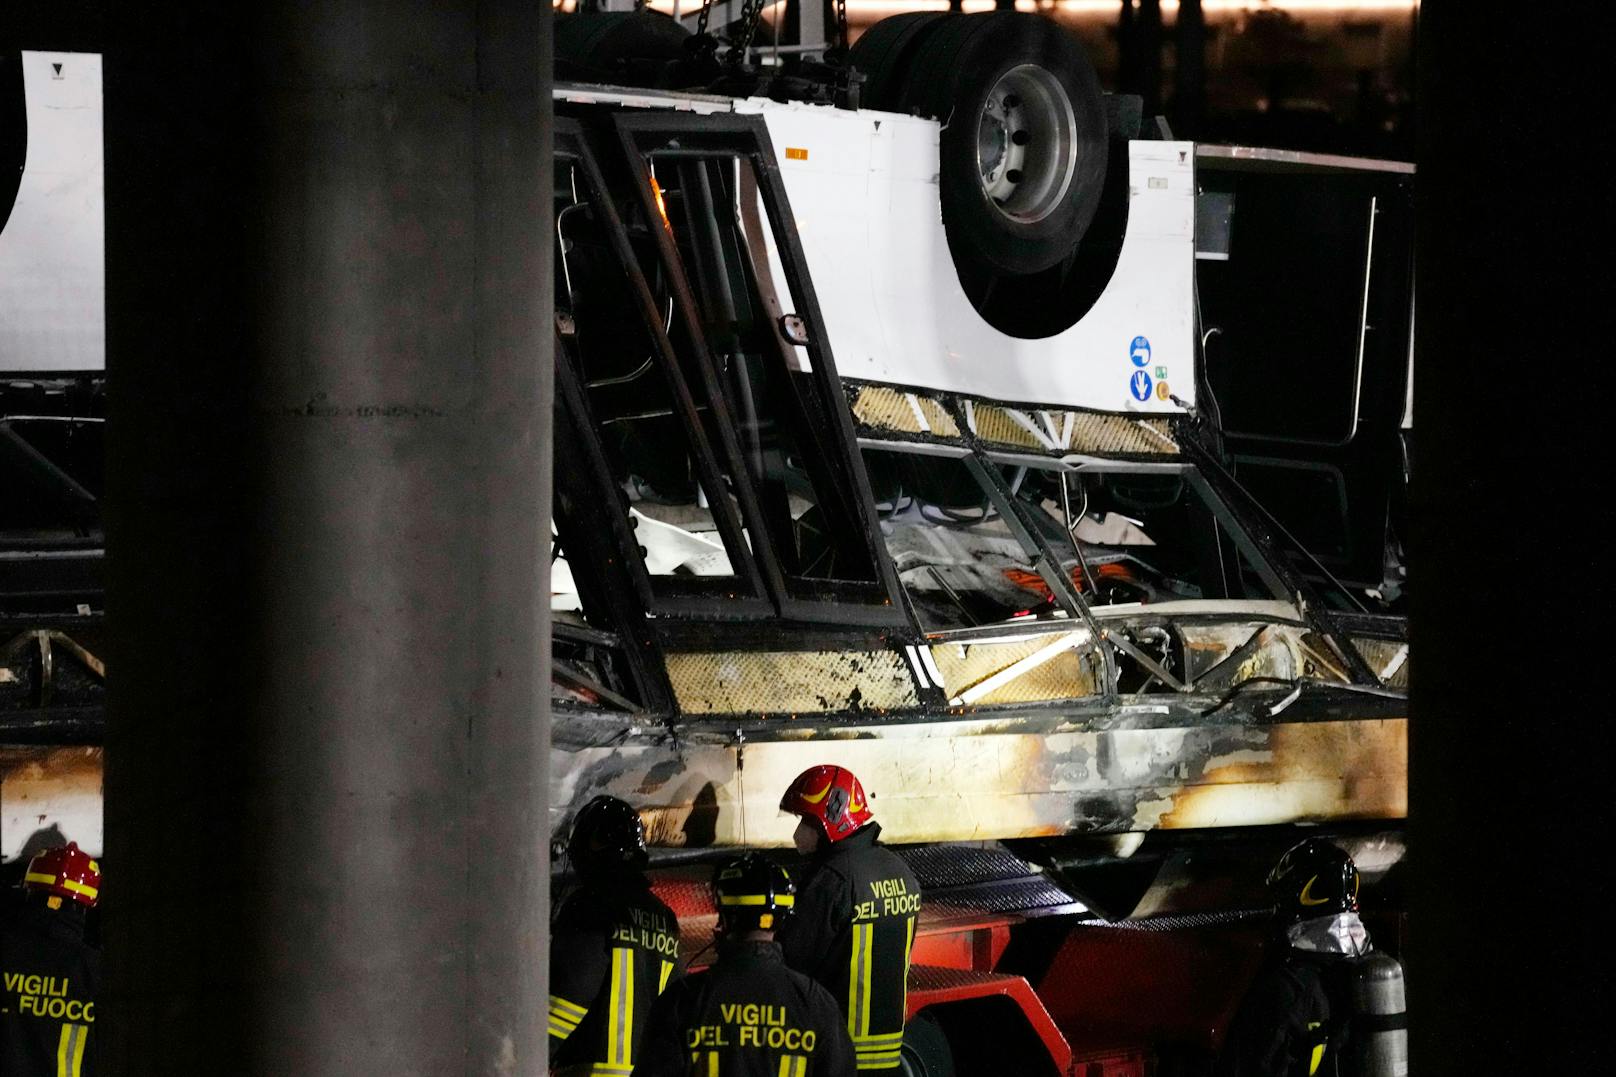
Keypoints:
pixel 815 798
pixel 66 884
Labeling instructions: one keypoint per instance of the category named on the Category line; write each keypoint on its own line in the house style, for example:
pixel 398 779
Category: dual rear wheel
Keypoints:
pixel 1024 144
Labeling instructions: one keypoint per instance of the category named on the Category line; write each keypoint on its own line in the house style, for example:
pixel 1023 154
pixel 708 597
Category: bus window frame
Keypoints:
pixel 853 603
pixel 742 594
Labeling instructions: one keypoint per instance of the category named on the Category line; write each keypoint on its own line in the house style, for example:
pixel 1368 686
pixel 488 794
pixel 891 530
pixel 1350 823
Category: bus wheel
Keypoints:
pixel 1023 147
pixel 925 1049
pixel 883 53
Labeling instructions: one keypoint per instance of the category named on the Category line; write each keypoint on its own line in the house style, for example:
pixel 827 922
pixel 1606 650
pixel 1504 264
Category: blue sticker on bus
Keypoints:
pixel 1140 384
pixel 1139 351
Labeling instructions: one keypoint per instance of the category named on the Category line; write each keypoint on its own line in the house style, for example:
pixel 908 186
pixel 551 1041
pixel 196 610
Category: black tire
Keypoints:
pixel 1019 86
pixel 606 42
pixel 925 1050
pixel 883 53
pixel 13 133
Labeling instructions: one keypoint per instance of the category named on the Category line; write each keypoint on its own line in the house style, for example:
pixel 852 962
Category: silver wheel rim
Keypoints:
pixel 1026 145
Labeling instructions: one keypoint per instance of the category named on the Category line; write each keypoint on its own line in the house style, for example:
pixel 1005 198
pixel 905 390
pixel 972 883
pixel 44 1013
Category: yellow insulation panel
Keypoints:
pixel 881 408
pixel 996 426
pixel 1085 432
pixel 1066 674
pixel 791 682
pixel 1052 431
pixel 1387 657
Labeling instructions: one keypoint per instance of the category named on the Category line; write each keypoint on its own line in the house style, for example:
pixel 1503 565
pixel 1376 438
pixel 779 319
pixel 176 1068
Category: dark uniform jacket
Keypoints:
pixel 613 946
pixel 1296 1021
pixel 852 931
pixel 747 1016
pixel 47 1008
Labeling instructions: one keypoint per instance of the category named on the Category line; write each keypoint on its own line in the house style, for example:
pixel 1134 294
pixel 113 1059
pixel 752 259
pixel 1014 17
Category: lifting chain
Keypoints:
pixel 841 24
pixel 751 14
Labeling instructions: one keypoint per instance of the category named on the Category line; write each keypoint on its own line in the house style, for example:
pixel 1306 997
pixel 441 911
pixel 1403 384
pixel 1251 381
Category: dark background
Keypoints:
pixel 1511 774
pixel 1509 788
pixel 1320 75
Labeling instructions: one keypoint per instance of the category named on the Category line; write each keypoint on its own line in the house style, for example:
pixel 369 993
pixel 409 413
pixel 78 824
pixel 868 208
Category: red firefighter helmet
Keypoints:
pixel 66 871
pixel 830 796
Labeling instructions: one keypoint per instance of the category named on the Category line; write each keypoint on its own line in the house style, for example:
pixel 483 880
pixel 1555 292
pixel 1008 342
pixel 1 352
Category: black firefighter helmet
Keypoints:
pixel 1314 878
pixel 753 894
pixel 607 836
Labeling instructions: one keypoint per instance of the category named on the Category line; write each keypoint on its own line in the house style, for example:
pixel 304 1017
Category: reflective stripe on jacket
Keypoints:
pixel 853 931
pixel 47 1007
pixel 747 1016
pixel 613 947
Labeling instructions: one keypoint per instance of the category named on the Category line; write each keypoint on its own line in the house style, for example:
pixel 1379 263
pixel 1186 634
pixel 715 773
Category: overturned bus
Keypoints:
pixel 812 506
pixel 885 437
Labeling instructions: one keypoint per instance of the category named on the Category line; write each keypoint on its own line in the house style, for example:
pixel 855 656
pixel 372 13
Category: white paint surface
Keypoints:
pixel 56 790
pixel 866 201
pixel 53 248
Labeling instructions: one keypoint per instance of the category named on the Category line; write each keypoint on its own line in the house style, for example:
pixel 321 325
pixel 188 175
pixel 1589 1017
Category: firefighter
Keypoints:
pixel 613 946
pixel 855 919
pixel 748 1015
pixel 51 974
pixel 1297 1020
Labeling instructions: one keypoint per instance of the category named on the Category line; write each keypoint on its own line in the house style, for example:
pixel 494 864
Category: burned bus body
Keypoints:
pixel 983 573
pixel 844 474
pixel 829 489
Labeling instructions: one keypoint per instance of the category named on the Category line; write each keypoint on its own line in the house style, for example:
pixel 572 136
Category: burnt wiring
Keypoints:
pixel 1229 696
pixel 1071 531
pixel 885 509
pixel 1203 338
pixel 564 248
pixel 1298 684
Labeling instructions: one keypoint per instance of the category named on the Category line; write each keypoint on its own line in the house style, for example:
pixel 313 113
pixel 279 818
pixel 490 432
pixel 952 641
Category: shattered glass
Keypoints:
pixel 1122 536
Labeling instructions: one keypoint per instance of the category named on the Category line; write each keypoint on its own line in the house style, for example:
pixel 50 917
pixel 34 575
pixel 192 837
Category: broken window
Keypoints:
pixel 959 560
pixel 665 480
pixel 587 667
pixel 720 227
pixel 1123 534
pixel 1145 534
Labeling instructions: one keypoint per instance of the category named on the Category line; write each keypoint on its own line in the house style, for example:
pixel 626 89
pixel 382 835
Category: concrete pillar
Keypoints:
pixel 329 321
pixel 1503 139
pixel 1148 38
pixel 1127 48
pixel 1189 70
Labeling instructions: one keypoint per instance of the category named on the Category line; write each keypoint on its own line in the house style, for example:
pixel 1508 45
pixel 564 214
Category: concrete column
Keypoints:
pixel 1127 48
pixel 329 318
pixel 1512 237
pixel 1148 45
pixel 1189 70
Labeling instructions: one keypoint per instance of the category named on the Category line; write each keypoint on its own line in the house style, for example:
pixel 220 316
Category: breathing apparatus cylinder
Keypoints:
pixel 1381 1016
